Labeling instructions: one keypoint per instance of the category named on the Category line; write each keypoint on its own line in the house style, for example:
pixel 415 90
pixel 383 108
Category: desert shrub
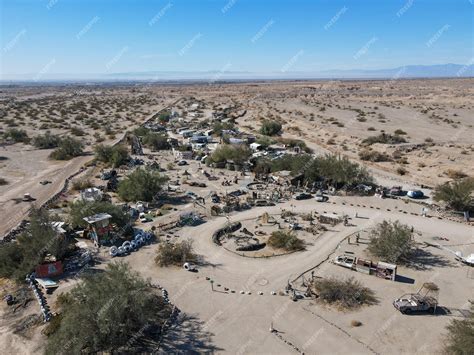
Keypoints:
pixel 270 128
pixel 460 337
pixel 175 254
pixel 80 209
pixel 348 293
pixel 218 127
pixel 78 131
pixel 265 141
pixel 164 116
pixel 156 141
pixel 141 185
pixel 455 174
pixel 392 242
pixel 399 132
pixel 67 149
pixel 141 131
pixel 285 240
pixel 295 164
pixel 46 141
pixel 111 155
pixel 3 181
pixel 384 138
pixel 81 184
pixel 16 135
pixel 373 155
pixel 227 152
pixel 115 311
pixel 401 170
pixel 456 194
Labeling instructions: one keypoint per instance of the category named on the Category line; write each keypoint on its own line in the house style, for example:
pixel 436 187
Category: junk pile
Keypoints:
pixel 47 315
pixel 141 238
pixel 78 261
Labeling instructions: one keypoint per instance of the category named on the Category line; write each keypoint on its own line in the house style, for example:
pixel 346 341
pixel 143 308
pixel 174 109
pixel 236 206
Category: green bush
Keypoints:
pixel 460 338
pixel 46 141
pixel 141 185
pixel 156 141
pixel 115 311
pixel 227 152
pixel 17 135
pixel 111 155
pixel 374 156
pixel 348 294
pixel 285 240
pixel 218 127
pixel 270 128
pixel 392 242
pixel 175 254
pixel 67 149
pixel 384 138
pixel 456 194
pixel 337 171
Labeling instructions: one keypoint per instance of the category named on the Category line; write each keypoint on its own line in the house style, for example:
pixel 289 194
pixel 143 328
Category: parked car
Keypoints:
pixel 182 162
pixel 413 302
pixel 302 196
pixel 415 194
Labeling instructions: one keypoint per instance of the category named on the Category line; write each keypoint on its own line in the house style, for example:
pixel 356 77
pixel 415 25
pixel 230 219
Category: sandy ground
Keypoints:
pixel 240 323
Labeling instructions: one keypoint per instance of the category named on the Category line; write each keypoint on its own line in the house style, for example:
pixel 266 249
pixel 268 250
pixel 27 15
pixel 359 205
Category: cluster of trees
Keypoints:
pixel 175 254
pixel 67 148
pixel 456 194
pixel 392 242
pixel 141 185
pixel 236 153
pixel 285 240
pixel 115 311
pixel 111 155
pixel 39 239
pixel 270 128
pixel 80 209
pixel 333 169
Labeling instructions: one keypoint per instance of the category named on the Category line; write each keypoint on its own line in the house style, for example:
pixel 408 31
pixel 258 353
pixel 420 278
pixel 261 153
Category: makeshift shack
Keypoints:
pixel 98 226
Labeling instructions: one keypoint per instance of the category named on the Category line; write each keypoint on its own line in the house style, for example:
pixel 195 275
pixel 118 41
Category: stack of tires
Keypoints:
pixel 141 238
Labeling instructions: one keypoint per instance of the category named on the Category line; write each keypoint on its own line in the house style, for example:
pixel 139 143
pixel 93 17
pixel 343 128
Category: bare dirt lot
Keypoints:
pixel 247 299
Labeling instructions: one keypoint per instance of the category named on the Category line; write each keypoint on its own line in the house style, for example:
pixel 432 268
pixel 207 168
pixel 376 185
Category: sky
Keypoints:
pixel 79 37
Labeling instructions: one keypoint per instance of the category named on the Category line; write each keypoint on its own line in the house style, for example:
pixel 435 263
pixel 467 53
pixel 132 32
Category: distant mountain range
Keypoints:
pixel 409 71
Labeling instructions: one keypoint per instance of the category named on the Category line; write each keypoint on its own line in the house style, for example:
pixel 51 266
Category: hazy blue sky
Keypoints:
pixel 110 36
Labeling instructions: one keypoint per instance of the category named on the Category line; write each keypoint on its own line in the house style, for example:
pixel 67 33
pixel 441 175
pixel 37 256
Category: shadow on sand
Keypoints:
pixel 188 335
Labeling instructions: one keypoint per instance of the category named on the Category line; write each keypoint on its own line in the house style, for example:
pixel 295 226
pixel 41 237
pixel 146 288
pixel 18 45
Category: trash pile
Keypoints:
pixel 47 315
pixel 141 238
